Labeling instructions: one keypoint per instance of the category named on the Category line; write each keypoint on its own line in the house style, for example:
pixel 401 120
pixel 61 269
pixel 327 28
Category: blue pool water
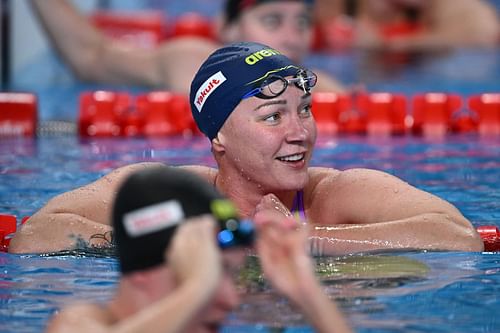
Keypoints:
pixel 404 292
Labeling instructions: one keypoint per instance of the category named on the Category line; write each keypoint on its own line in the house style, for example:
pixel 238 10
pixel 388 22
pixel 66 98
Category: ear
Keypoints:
pixel 218 143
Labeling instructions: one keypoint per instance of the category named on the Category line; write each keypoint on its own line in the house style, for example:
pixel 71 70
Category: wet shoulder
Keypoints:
pixel 204 172
pixel 70 318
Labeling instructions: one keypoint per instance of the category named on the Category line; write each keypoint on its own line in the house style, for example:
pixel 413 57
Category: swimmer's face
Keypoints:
pixel 226 297
pixel 388 6
pixel 270 141
pixel 283 25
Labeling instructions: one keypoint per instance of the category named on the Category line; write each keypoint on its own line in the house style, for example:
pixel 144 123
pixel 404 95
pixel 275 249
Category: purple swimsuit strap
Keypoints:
pixel 298 206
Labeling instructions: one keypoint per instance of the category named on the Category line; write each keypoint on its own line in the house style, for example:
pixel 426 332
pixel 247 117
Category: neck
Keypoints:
pixel 120 307
pixel 245 192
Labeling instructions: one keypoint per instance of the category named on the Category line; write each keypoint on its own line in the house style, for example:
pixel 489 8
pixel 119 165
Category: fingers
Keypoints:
pixel 271 202
pixel 193 251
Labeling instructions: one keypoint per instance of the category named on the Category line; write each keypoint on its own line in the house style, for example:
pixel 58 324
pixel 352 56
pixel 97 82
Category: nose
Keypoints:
pixel 293 41
pixel 296 129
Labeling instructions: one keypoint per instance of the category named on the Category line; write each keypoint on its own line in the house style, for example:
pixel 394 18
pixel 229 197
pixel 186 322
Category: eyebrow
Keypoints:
pixel 280 102
pixel 306 97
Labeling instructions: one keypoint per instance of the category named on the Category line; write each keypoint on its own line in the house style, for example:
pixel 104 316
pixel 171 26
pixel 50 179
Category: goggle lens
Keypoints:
pixel 275 85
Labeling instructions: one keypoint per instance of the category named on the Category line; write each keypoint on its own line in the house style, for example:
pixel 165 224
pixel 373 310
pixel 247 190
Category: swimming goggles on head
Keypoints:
pixel 274 85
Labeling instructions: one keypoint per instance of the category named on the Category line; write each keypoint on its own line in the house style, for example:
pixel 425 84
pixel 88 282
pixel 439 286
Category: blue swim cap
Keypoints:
pixel 227 75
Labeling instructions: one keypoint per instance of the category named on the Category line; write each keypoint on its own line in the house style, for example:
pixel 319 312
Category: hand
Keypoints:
pixel 282 251
pixel 194 254
pixel 272 203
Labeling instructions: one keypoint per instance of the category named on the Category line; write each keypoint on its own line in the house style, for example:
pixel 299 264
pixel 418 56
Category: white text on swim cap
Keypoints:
pixel 207 88
pixel 259 55
pixel 153 218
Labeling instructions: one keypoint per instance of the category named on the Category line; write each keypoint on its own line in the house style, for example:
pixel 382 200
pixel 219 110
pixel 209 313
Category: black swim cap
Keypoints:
pixel 234 8
pixel 148 207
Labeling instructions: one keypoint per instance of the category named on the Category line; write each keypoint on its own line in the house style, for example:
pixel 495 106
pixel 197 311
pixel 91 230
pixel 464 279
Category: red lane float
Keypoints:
pixel 164 113
pixel 385 113
pixel 491 237
pixel 193 24
pixel 101 113
pixel 487 108
pixel 145 29
pixel 18 114
pixel 432 113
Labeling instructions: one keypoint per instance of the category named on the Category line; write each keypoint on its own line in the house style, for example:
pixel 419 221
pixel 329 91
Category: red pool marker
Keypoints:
pixel 385 113
pixel 487 108
pixel 164 113
pixel 144 29
pixel 491 237
pixel 8 226
pixel 193 24
pixel 432 113
pixel 326 108
pixel 337 35
pixel 3 246
pixel 101 113
pixel 18 116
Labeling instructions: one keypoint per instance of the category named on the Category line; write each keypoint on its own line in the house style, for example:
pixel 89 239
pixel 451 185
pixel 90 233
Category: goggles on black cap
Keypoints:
pixel 275 85
pixel 233 231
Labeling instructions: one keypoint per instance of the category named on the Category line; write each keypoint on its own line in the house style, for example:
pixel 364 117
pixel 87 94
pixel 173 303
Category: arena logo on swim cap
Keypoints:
pixel 207 88
pixel 153 218
pixel 259 55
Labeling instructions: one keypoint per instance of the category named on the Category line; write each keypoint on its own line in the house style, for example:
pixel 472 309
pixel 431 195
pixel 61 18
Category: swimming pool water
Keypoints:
pixel 390 292
pixel 403 292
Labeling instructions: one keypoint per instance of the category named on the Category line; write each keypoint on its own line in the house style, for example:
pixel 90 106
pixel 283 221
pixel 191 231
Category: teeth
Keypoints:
pixel 292 158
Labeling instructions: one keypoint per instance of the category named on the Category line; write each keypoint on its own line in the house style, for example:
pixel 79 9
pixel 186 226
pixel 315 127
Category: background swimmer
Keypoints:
pixel 286 25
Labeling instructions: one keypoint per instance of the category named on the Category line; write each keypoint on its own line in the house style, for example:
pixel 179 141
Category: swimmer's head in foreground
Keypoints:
pixel 152 203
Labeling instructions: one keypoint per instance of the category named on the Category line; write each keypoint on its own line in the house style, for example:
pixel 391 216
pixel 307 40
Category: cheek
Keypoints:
pixel 254 33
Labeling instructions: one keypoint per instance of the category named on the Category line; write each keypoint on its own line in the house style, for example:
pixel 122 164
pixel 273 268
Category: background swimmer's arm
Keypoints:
pixel 461 23
pixel 96 57
pixel 371 210
pixel 327 83
pixel 91 55
pixel 78 218
pixel 285 262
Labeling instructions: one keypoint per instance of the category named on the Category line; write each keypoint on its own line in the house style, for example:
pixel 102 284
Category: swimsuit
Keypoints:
pixel 298 206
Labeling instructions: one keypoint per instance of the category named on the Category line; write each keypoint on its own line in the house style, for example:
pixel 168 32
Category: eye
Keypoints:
pixel 272 118
pixel 304 22
pixel 305 111
pixel 271 21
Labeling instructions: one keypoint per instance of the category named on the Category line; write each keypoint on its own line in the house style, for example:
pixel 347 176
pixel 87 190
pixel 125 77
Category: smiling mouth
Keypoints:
pixel 292 158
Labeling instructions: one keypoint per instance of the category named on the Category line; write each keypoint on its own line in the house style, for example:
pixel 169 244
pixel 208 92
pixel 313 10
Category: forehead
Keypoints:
pixel 292 96
pixel 281 7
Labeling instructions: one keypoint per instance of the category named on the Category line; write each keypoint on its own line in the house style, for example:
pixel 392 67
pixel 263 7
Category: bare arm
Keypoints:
pixel 285 262
pixel 327 83
pixel 75 219
pixel 461 23
pixel 372 210
pixel 95 57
